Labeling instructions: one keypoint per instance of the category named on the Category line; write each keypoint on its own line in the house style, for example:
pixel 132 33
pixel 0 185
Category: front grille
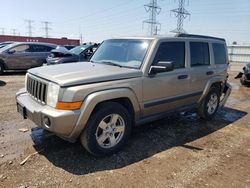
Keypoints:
pixel 36 89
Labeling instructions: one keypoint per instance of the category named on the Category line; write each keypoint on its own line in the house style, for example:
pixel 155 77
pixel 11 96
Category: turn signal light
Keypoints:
pixel 68 105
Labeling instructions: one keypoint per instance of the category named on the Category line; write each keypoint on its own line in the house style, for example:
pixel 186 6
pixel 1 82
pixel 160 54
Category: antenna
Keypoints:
pixel 153 25
pixel 29 22
pixel 181 13
pixel 46 28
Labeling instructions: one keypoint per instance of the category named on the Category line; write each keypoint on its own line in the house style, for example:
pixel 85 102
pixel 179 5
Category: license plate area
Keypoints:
pixel 22 110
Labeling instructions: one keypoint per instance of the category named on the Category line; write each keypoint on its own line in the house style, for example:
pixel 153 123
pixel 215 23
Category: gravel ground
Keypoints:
pixel 178 151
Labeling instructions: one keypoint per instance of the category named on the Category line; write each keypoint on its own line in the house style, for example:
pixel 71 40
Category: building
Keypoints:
pixel 58 41
pixel 239 53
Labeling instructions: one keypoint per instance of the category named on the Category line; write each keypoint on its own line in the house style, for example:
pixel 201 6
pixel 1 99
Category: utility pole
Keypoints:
pixel 2 30
pixel 153 25
pixel 181 13
pixel 29 22
pixel 14 31
pixel 81 39
pixel 46 28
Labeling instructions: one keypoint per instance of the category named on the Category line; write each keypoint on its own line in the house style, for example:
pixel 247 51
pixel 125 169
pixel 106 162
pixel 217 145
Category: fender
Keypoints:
pixel 4 64
pixel 93 99
pixel 210 82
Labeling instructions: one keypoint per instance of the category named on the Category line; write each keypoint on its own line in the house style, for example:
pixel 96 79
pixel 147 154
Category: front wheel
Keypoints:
pixel 1 68
pixel 209 105
pixel 107 129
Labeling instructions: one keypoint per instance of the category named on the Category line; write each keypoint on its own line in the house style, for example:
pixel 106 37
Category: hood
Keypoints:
pixel 83 73
pixel 60 49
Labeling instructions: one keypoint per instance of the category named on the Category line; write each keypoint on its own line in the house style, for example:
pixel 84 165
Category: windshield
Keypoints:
pixel 122 52
pixel 7 47
pixel 79 49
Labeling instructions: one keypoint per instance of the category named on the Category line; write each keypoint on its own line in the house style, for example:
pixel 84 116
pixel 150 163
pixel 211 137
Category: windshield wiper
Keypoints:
pixel 107 63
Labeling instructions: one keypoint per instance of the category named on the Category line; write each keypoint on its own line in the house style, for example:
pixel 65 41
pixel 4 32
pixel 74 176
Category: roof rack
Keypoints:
pixel 198 36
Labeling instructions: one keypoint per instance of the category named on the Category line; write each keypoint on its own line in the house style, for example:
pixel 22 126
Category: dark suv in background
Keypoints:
pixel 79 53
pixel 24 55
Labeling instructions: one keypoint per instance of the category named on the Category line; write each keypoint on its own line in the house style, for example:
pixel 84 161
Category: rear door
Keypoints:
pixel 220 58
pixel 39 55
pixel 201 67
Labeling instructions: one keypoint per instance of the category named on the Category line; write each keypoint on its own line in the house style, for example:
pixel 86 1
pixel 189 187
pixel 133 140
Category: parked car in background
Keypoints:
pixel 2 44
pixel 80 53
pixel 69 47
pixel 24 55
pixel 245 75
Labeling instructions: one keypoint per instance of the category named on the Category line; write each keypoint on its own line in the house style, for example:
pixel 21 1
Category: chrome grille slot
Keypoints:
pixel 37 89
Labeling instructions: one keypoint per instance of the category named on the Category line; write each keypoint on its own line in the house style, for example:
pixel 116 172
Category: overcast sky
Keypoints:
pixel 101 19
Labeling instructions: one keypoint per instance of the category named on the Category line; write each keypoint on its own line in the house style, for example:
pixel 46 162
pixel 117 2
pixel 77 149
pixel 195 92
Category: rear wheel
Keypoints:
pixel 209 105
pixel 107 129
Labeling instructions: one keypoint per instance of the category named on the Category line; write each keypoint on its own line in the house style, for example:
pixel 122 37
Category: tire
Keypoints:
pixel 1 69
pixel 209 105
pixel 242 81
pixel 107 130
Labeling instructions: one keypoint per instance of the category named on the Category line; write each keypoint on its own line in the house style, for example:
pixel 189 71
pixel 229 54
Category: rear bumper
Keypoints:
pixel 226 92
pixel 62 122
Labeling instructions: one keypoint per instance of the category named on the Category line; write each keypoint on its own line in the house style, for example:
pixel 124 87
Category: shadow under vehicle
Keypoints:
pixel 177 130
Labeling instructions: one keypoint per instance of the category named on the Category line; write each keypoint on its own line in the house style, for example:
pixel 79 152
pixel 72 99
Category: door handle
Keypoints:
pixel 181 77
pixel 210 73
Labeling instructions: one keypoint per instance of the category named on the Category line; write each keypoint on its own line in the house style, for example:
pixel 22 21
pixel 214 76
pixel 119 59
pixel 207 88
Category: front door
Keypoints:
pixel 167 90
pixel 18 57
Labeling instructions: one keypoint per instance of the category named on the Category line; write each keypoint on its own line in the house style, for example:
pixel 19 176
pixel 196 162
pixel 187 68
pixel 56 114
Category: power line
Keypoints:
pixel 97 12
pixel 153 25
pixel 29 22
pixel 181 13
pixel 46 28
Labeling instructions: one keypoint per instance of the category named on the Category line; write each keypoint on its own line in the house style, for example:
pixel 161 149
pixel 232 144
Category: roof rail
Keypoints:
pixel 198 36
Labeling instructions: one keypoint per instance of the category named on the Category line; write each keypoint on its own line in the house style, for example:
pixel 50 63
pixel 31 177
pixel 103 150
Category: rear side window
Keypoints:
pixel 199 52
pixel 171 51
pixel 41 48
pixel 220 56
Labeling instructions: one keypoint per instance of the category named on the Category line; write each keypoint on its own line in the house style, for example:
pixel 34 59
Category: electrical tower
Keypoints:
pixel 29 22
pixel 181 13
pixel 14 31
pixel 46 28
pixel 153 25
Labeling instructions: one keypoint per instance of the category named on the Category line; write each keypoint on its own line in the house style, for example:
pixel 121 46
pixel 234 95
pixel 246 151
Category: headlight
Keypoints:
pixel 52 94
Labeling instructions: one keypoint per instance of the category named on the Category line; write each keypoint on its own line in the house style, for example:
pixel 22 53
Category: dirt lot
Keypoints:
pixel 178 151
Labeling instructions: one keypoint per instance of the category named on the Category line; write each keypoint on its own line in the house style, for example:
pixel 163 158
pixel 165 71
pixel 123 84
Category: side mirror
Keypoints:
pixel 11 51
pixel 162 66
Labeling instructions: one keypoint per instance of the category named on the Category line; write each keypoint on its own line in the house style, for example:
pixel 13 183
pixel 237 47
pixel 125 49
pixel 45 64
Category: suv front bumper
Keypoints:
pixel 61 122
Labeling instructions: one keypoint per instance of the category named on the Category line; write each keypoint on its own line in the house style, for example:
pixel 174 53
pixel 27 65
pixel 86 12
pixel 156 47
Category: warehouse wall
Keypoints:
pixel 239 53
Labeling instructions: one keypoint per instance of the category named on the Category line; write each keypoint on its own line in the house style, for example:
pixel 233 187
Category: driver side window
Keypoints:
pixel 173 52
pixel 20 49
